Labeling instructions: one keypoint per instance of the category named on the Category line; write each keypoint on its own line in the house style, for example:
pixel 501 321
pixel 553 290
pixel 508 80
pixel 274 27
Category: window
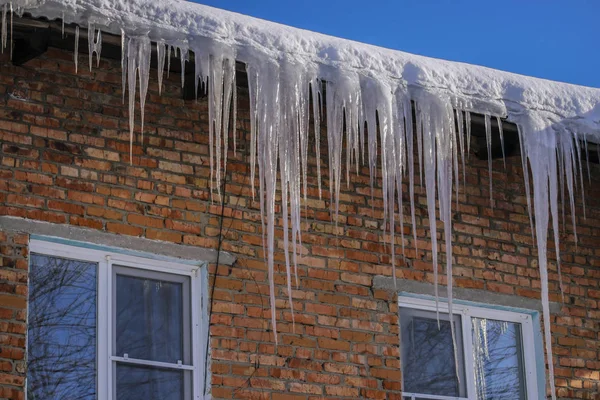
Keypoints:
pixel 106 325
pixel 495 348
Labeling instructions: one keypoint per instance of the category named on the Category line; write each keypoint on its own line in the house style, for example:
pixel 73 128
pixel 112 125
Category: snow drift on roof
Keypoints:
pixel 184 23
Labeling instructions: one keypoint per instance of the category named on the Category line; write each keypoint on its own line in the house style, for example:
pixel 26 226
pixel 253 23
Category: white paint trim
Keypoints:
pixel 158 364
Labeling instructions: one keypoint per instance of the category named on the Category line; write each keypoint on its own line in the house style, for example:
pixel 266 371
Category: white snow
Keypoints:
pixel 286 66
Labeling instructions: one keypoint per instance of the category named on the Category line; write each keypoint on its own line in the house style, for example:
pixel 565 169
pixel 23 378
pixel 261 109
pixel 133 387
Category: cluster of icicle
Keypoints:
pixel 281 95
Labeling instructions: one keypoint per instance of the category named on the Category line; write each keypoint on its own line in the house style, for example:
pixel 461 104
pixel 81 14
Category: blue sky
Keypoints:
pixel 558 40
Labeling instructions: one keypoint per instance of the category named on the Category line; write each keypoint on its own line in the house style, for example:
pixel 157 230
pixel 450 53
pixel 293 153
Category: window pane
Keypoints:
pixel 148 383
pixel 149 319
pixel 428 365
pixel 61 329
pixel 497 353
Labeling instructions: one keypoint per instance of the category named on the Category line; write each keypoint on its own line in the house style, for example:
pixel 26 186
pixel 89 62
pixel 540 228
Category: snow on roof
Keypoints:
pixel 186 23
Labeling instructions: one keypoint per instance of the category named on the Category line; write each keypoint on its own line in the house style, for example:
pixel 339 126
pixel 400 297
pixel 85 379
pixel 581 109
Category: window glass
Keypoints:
pixel 149 319
pixel 497 350
pixel 61 358
pixel 148 383
pixel 428 354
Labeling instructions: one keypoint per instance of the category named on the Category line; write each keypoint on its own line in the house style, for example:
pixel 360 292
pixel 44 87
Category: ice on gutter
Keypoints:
pixel 287 66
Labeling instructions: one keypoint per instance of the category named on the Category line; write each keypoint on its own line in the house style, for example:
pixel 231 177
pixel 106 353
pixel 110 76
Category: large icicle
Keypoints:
pixel 265 94
pixel 540 142
pixel 138 65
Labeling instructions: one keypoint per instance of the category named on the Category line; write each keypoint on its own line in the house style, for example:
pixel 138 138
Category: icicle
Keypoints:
pixel 169 51
pixel 123 63
pixel 585 143
pixel 183 54
pixel 561 186
pixel 215 118
pixel 454 149
pixel 94 45
pixel 501 132
pixel 132 69
pixel 460 122
pixel 436 118
pixel 316 95
pixel 540 142
pixel 488 139
pixel 265 102
pixel 4 27
pixel 253 90
pixel 580 164
pixel 228 82
pixel 138 60
pixel 409 140
pixel 468 126
pixel 12 41
pixel 144 55
pixel 91 31
pixel 198 72
pixel 525 166
pixel 234 127
pixel 76 51
pixel 552 178
pixel 420 145
pixel 568 156
pixel 160 57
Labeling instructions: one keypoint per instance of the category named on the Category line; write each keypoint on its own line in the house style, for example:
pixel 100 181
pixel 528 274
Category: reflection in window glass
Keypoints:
pixel 148 383
pixel 498 363
pixel 61 357
pixel 149 319
pixel 428 355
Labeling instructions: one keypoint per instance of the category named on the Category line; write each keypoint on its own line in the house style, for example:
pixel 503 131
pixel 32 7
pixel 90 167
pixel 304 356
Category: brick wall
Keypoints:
pixel 13 309
pixel 65 159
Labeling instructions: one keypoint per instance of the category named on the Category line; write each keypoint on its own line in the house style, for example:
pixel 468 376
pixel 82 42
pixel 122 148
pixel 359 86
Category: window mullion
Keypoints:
pixel 198 309
pixel 529 362
pixel 468 354
pixel 110 329
pixel 102 330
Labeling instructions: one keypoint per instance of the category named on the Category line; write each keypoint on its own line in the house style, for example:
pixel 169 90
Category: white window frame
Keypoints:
pixel 467 311
pixel 106 258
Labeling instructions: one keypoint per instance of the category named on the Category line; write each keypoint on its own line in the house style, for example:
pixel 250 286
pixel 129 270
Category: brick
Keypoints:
pixel 164 235
pixel 123 229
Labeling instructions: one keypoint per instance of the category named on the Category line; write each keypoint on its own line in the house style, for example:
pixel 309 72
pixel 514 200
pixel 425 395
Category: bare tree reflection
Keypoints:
pixel 428 355
pixel 61 329
pixel 149 319
pixel 150 326
pixel 144 383
pixel 498 360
